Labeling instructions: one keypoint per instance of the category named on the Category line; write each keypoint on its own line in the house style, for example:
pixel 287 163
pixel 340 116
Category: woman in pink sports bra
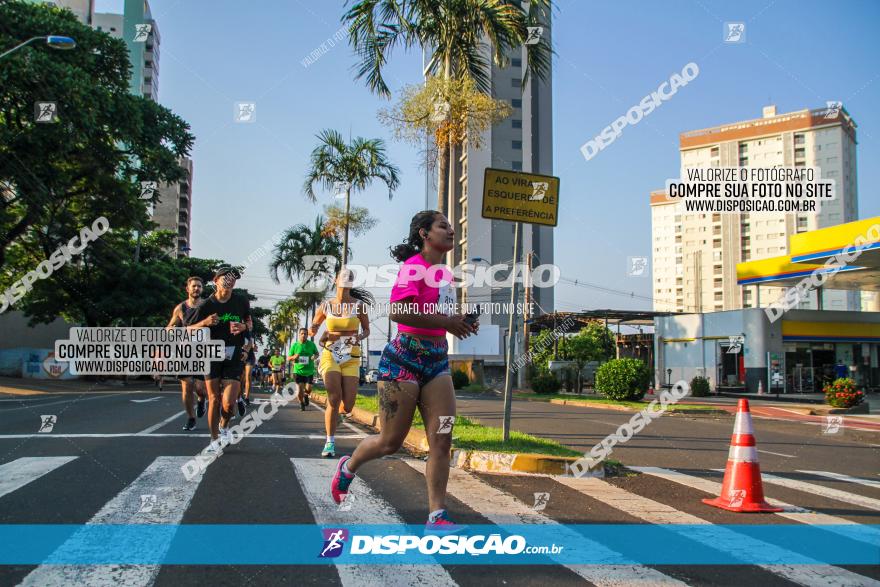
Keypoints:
pixel 414 368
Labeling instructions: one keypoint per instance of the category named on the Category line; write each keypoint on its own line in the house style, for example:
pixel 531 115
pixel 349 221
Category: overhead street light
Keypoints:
pixel 54 41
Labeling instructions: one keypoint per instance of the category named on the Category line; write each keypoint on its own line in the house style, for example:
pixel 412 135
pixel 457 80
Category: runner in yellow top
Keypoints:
pixel 276 363
pixel 341 358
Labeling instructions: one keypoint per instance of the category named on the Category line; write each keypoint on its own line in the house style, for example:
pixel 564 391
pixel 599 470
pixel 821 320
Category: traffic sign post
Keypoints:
pixel 518 197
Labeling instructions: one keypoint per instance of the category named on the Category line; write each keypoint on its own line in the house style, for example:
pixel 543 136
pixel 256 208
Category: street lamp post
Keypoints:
pixel 54 41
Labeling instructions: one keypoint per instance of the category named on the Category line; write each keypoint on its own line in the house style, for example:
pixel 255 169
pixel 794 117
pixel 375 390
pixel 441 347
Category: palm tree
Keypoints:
pixel 452 34
pixel 288 257
pixel 336 165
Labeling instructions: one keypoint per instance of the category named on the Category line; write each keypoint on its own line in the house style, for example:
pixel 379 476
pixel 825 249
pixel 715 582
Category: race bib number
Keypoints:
pixel 341 351
pixel 302 360
pixel 446 300
pixel 229 353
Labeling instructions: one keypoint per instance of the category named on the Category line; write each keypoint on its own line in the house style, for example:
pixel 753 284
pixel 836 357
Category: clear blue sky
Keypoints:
pixel 248 177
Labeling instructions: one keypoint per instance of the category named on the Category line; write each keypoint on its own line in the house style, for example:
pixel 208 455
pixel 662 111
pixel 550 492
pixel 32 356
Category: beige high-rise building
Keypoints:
pixel 695 254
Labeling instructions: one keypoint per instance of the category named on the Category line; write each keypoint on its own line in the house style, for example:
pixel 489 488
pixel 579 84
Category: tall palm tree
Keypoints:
pixel 288 257
pixel 353 166
pixel 453 34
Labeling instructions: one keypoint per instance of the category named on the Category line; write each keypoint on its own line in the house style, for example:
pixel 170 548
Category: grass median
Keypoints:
pixel 471 435
pixel 635 405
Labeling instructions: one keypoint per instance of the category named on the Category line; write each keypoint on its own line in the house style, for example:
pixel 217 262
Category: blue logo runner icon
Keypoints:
pixel 334 539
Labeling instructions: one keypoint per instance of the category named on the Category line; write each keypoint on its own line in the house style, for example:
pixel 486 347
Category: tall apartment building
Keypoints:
pixel 83 9
pixel 174 208
pixel 522 142
pixel 695 254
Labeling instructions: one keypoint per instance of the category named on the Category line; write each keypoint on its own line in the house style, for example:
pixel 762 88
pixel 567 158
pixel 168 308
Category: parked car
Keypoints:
pixel 372 376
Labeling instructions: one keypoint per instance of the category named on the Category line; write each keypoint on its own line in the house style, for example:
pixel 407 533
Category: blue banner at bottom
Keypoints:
pixel 590 544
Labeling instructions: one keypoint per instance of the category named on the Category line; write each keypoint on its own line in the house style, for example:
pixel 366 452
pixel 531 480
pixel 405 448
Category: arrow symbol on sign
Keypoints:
pixel 141 401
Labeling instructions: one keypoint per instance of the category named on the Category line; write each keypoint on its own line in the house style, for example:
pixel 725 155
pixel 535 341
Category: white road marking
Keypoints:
pixel 155 427
pixel 314 477
pixel 847 478
pixel 778 454
pixel 738 545
pixel 504 509
pixel 812 488
pixel 798 514
pixel 65 401
pixel 173 495
pixel 20 472
pixel 172 435
pixel 143 401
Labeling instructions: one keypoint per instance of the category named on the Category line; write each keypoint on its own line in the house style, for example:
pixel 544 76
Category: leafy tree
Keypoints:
pixel 103 286
pixel 451 33
pixel 450 110
pixel 57 177
pixel 359 221
pixel 288 257
pixel 353 166
pixel 592 343
pixel 285 319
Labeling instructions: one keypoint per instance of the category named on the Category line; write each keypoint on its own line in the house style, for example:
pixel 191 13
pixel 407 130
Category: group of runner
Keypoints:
pixel 413 369
pixel 228 383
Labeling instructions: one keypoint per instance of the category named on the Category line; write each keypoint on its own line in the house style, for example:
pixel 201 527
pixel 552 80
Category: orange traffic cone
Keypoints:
pixel 742 490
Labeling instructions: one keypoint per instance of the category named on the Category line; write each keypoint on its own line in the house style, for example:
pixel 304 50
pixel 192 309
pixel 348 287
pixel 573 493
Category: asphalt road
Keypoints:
pixel 107 449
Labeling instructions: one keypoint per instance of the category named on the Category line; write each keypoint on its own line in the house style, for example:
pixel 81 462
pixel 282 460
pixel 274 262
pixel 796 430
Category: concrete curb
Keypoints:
pixel 604 406
pixel 475 460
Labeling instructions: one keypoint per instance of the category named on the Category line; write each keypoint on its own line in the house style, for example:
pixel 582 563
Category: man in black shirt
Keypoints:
pixel 263 368
pixel 228 318
pixel 184 314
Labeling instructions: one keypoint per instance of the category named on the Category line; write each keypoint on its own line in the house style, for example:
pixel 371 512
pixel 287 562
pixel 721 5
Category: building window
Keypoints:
pixel 516 123
pixel 743 161
pixel 516 103
pixel 799 140
pixel 516 62
pixel 516 165
pixel 516 145
pixel 713 152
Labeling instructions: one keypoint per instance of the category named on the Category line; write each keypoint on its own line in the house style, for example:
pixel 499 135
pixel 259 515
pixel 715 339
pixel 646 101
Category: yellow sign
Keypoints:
pixel 520 197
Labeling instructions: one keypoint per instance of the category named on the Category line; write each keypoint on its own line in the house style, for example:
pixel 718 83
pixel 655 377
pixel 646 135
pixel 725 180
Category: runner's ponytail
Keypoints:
pixel 413 243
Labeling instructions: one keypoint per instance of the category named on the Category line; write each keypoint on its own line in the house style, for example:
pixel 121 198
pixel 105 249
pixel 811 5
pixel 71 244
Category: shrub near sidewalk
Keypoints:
pixel 842 393
pixel 543 382
pixel 459 379
pixel 699 387
pixel 623 379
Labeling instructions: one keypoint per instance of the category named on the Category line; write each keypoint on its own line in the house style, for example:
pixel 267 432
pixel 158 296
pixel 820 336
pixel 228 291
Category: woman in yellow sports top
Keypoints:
pixel 347 325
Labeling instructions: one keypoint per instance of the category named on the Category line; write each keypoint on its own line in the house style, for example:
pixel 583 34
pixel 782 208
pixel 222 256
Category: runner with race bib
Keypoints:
pixel 340 365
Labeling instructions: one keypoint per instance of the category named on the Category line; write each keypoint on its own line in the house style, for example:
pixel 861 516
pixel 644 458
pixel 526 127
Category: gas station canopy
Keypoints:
pixel 810 250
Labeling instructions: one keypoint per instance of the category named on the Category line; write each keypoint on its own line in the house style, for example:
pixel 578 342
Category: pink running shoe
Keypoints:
pixel 340 483
pixel 442 525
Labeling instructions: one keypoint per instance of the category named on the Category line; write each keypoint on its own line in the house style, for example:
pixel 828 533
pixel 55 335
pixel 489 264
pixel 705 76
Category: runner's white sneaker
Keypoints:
pixel 224 436
pixel 214 448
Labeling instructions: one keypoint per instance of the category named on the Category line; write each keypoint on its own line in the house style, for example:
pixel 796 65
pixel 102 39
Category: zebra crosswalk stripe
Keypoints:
pixel 812 488
pixel 162 479
pixel 504 509
pixel 314 477
pixel 734 543
pixel 20 472
pixel 846 478
pixel 869 534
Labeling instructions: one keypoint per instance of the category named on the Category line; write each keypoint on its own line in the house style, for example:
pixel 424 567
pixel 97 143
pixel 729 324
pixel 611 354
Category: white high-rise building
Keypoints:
pixel 695 254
